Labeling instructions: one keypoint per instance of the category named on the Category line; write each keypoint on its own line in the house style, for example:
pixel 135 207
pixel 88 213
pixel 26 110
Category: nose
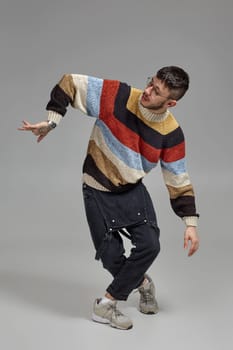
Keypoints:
pixel 148 90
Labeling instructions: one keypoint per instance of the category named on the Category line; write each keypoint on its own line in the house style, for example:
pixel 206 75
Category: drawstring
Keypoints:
pixel 124 233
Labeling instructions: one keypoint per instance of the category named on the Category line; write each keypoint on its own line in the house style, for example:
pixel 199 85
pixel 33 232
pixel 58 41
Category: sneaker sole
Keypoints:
pixel 102 320
pixel 149 312
pixel 122 329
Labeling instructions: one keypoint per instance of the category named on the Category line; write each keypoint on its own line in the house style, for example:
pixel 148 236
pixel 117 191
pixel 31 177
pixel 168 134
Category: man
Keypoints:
pixel 134 130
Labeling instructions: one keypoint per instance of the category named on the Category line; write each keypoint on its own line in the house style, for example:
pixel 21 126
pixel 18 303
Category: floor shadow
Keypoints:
pixel 64 297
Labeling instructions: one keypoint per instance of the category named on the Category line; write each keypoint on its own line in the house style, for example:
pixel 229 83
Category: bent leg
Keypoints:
pixel 145 239
pixel 108 245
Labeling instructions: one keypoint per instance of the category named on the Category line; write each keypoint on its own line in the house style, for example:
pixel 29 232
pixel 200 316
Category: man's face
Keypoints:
pixel 156 96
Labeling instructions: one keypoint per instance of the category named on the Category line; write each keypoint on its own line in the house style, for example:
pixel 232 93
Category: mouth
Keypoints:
pixel 144 98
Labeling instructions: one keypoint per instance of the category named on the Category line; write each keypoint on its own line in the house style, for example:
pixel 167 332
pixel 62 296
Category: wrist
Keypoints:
pixel 54 117
pixel 190 221
pixel 51 125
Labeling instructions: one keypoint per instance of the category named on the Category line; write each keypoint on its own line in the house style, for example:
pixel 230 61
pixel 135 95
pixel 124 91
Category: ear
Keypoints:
pixel 171 103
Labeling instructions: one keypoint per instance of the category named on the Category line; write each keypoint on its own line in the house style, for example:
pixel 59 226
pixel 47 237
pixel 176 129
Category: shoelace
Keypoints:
pixel 146 296
pixel 115 311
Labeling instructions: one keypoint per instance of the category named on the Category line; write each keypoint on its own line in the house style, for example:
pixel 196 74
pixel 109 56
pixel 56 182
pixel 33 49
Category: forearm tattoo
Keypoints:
pixel 44 130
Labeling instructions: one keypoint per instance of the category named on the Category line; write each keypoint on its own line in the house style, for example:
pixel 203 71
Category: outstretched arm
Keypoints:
pixel 40 129
pixel 79 91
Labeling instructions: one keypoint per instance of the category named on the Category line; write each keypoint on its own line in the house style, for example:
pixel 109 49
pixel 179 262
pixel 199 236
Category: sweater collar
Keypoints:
pixel 150 116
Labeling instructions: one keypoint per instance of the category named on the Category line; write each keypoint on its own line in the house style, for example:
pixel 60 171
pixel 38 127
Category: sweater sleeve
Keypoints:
pixel 177 179
pixel 79 91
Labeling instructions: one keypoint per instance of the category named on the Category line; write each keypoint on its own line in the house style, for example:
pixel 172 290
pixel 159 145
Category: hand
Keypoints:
pixel 191 236
pixel 39 129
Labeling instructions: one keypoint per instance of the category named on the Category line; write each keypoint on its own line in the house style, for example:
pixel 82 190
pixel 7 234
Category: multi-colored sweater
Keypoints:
pixel 127 140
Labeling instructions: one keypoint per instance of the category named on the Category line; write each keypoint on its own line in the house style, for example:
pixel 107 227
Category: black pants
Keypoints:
pixel 107 213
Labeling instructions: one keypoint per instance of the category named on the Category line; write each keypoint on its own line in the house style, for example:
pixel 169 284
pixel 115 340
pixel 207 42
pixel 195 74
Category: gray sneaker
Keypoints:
pixel 147 302
pixel 109 314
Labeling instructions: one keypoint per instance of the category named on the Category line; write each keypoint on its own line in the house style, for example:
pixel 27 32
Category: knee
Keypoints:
pixel 112 263
pixel 152 244
pixel 154 248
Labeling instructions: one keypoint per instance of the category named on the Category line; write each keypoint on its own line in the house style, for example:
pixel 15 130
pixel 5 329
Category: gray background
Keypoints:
pixel 48 277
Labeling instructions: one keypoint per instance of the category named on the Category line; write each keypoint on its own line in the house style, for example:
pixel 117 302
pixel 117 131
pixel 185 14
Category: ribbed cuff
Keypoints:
pixel 190 220
pixel 54 117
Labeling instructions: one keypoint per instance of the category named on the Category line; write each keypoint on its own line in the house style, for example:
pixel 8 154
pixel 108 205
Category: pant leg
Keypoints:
pixel 108 245
pixel 128 273
pixel 113 258
pixel 145 239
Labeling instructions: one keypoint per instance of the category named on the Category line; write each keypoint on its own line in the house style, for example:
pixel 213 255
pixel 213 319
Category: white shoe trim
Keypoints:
pixel 99 319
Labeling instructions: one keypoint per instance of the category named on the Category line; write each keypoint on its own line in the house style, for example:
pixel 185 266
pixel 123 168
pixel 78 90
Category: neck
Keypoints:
pixel 157 111
pixel 151 115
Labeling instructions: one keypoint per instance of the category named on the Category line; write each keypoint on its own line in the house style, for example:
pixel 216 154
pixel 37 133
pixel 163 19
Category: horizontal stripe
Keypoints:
pixel 105 165
pixel 94 90
pixel 174 138
pixel 128 173
pixel 131 158
pixel 91 169
pixel 176 168
pixel 131 140
pixel 80 100
pixel 67 85
pixel 87 93
pixel 132 122
pixel 107 101
pixel 90 181
pixel 174 153
pixel 59 101
pixel 184 206
pixel 146 131
pixel 175 192
pixel 175 180
pixel 132 132
pixel 164 128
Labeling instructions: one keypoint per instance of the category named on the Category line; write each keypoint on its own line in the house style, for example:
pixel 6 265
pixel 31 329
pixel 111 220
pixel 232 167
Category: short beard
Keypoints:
pixel 155 108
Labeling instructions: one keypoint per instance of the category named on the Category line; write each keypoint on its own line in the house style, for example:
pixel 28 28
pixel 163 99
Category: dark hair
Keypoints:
pixel 175 79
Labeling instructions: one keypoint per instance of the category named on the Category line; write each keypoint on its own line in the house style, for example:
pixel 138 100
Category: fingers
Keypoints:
pixel 194 245
pixel 186 242
pixel 191 239
pixel 27 126
pixel 39 129
pixel 40 138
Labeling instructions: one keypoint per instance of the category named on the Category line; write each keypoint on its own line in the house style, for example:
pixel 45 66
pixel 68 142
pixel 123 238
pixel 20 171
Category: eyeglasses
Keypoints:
pixel 150 83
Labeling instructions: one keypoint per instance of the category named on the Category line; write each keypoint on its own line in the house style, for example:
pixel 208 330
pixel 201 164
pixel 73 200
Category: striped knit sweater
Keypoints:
pixel 127 140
